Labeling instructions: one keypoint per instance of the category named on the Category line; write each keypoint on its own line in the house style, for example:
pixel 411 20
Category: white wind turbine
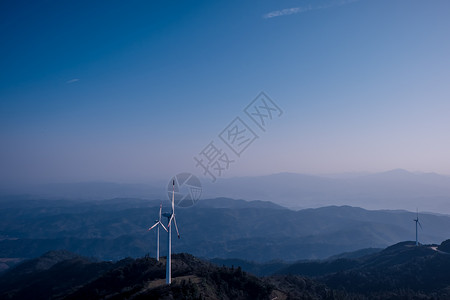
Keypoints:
pixel 158 222
pixel 417 222
pixel 170 216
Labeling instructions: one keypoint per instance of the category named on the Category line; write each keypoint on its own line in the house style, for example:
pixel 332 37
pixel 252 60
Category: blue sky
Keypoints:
pixel 131 91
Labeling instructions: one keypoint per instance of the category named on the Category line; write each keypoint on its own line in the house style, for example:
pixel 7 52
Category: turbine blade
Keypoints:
pixel 153 226
pixel 420 225
pixel 176 227
pixel 173 195
pixel 163 226
pixel 160 209
pixel 170 220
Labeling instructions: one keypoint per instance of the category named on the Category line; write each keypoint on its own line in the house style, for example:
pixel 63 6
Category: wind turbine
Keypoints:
pixel 158 222
pixel 417 222
pixel 170 216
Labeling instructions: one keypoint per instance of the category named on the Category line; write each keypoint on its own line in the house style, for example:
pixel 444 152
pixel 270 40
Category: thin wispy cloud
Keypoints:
pixel 286 12
pixel 72 80
pixel 297 10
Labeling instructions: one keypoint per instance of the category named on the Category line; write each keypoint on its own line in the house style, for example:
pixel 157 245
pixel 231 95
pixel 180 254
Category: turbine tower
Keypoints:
pixel 170 216
pixel 158 222
pixel 417 222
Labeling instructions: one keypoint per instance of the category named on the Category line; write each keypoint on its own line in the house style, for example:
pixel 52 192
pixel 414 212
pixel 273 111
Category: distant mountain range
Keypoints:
pixel 223 228
pixel 395 189
pixel 401 271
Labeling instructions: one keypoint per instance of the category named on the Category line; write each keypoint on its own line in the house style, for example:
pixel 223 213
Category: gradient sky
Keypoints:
pixel 131 91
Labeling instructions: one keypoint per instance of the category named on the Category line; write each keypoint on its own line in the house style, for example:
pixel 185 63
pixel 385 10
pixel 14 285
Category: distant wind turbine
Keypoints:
pixel 417 222
pixel 170 216
pixel 158 222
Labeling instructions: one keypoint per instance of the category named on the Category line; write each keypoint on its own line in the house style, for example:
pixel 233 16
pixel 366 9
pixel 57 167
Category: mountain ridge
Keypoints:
pixel 223 227
pixel 388 273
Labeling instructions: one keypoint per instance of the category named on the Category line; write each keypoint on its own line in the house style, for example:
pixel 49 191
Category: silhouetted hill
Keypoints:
pixel 54 274
pixel 445 246
pixel 45 262
pixel 259 269
pixel 192 279
pixel 401 271
pixel 319 268
pixel 145 279
pixel 356 254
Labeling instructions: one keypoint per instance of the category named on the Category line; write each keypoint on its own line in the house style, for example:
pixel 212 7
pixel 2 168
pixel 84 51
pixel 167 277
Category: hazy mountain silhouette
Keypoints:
pixel 394 189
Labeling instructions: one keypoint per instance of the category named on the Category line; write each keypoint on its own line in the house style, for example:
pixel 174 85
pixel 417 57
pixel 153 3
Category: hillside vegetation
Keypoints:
pixel 400 271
